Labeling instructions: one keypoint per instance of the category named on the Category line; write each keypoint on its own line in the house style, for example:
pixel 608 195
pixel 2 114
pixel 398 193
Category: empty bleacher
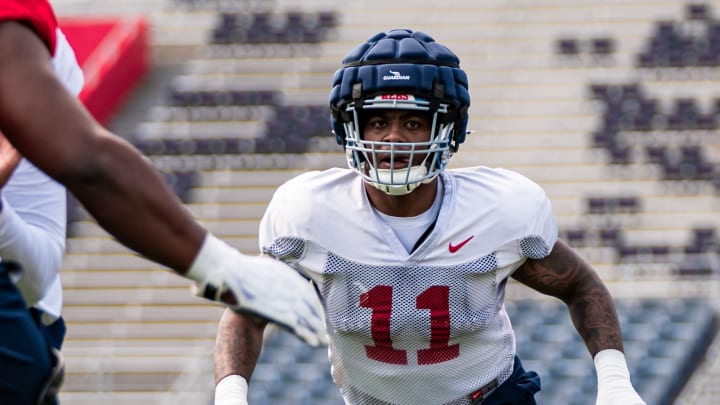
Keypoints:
pixel 611 107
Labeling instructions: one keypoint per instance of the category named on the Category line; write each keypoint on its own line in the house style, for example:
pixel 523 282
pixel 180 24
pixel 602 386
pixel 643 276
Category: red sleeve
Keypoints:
pixel 37 14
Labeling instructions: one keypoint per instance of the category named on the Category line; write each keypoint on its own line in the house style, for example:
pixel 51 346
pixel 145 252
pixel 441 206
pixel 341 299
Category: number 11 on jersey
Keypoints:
pixel 436 299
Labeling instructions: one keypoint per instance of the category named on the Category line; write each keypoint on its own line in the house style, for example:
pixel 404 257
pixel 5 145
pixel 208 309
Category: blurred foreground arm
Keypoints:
pixel 129 198
pixel 119 187
pixel 565 275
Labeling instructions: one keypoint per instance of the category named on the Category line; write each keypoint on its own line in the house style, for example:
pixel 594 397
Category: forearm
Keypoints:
pixel 238 345
pixel 114 182
pixel 138 208
pixel 128 197
pixel 594 315
pixel 565 275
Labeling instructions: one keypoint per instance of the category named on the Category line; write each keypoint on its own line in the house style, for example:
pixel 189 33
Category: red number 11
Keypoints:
pixel 436 299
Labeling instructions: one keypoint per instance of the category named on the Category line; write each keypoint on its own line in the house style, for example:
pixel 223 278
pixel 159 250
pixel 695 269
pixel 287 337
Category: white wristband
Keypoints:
pixel 231 390
pixel 613 377
pixel 611 366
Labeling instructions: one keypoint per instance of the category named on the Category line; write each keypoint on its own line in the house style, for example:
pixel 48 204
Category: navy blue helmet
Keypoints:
pixel 400 69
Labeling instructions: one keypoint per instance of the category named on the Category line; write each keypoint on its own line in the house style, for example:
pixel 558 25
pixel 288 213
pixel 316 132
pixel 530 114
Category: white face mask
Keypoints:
pixel 361 155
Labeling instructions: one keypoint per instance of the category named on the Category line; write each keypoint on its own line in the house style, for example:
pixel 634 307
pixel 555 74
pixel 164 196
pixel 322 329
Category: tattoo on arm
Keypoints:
pixel 565 275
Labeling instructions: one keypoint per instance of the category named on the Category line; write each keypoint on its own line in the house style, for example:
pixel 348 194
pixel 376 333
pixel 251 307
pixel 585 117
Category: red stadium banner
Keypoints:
pixel 114 55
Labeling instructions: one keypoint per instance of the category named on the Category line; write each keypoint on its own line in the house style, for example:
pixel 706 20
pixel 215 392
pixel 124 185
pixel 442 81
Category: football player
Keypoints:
pixel 122 191
pixel 412 260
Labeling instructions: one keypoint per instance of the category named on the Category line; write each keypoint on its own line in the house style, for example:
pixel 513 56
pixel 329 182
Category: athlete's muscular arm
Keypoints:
pixel 116 184
pixel 565 275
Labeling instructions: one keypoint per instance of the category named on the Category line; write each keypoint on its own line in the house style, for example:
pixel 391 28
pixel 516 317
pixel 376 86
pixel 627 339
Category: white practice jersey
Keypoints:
pixel 427 327
pixel 32 232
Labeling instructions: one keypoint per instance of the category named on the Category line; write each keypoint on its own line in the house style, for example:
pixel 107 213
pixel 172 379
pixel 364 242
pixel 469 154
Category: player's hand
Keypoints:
pixel 614 386
pixel 9 160
pixel 261 286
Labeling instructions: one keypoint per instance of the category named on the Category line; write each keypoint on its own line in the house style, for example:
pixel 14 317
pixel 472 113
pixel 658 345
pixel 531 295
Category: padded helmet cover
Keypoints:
pixel 401 61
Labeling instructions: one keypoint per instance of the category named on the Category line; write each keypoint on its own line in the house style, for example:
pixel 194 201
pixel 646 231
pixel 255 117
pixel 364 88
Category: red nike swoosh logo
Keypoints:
pixel 454 248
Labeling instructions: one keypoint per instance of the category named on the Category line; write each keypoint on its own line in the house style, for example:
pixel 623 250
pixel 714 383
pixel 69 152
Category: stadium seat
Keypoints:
pixel 567 46
pixel 291 27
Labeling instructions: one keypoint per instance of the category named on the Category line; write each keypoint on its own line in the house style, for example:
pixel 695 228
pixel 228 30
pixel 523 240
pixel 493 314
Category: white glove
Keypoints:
pixel 614 386
pixel 260 286
pixel 231 390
